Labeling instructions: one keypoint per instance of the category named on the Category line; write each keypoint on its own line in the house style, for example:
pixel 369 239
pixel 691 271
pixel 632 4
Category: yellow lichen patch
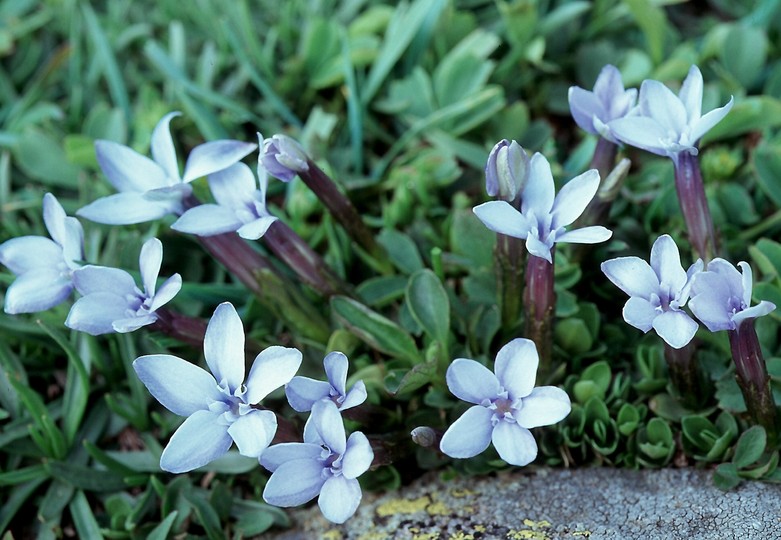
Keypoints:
pixel 426 536
pixel 403 506
pixel 333 534
pixel 438 509
pixel 480 528
pixel 469 509
pixel 461 493
pixel 373 535
pixel 527 534
pixel 460 535
pixel 584 534
pixel 544 524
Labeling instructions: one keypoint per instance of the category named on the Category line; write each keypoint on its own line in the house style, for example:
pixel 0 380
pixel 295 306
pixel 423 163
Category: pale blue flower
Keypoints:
pixel 219 407
pixel 609 101
pixel 283 157
pixel 657 292
pixel 544 216
pixel 506 170
pixel 112 302
pixel 241 205
pixel 666 124
pixel 43 266
pixel 326 465
pixel 303 392
pixel 148 189
pixel 721 296
pixel 506 406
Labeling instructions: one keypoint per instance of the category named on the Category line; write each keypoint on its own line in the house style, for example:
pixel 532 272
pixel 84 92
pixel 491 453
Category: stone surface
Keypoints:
pixel 597 504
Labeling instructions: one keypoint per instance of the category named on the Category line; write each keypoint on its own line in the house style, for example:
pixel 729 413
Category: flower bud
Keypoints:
pixel 283 157
pixel 506 170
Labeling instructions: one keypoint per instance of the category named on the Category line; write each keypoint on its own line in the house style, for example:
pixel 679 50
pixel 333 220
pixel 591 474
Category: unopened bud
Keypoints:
pixel 506 170
pixel 283 157
pixel 424 436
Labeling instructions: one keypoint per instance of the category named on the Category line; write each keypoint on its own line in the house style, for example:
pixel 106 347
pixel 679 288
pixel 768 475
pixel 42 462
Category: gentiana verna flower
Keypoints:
pixel 506 170
pixel 43 266
pixel 326 465
pixel 657 292
pixel 241 205
pixel 666 124
pixel 609 101
pixel 150 189
pixel 506 405
pixel 218 405
pixel 112 302
pixel 303 392
pixel 544 216
pixel 283 157
pixel 721 296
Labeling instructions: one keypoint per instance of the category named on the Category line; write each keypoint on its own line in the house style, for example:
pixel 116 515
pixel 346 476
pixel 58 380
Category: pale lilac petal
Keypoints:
pixel 329 425
pixel 573 198
pixel 223 347
pixel 747 282
pixel 73 242
pixel 95 313
pixel 704 124
pixel 26 253
pixel 585 235
pixel 471 381
pixel 91 279
pixel 294 482
pixel 641 132
pixel 666 262
pixel 515 444
pixel 355 396
pixel 469 435
pixel 274 456
pixel 181 387
pixel 127 170
pixel 233 187
pixel 163 150
pixel 358 456
pixel 272 368
pixel 201 439
pixel 335 364
pixel 632 275
pixel 584 105
pixel 207 220
pixel 54 218
pixel 545 405
pixel 538 248
pixel 658 102
pixel 339 498
pixel 131 324
pixel 690 94
pixel 608 85
pixel 210 157
pixel 711 310
pixel 303 392
pixel 676 328
pixel 126 209
pixel 149 262
pixel 516 367
pixel 539 192
pixel 502 217
pixel 256 229
pixel 167 291
pixel 720 276
pixel 37 290
pixel 640 313
pixel 253 432
pixel 760 310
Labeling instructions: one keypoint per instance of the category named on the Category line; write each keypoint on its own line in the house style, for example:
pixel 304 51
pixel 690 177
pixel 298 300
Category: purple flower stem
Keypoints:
pixel 604 158
pixel 753 378
pixel 189 330
pixel 510 253
pixel 694 205
pixel 692 386
pixel 539 301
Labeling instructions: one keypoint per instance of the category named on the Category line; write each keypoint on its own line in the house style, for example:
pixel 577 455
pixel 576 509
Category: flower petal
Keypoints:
pixel 641 132
pixel 37 290
pixel 223 347
pixel 329 425
pixel 676 328
pixel 181 387
pixel 339 498
pixel 640 313
pixel 573 198
pixel 256 229
pixel 126 209
pixel 704 124
pixel 202 438
pixel 167 291
pixel 660 103
pixel 666 263
pixel 163 150
pixel 516 367
pixel 131 324
pixel 54 218
pixel 95 313
pixel 471 381
pixel 26 253
pixel 91 279
pixel 515 444
pixel 233 187
pixel 127 170
pixel 294 482
pixel 272 368
pixel 760 310
pixel 274 456
pixel 469 435
pixel 207 220
pixel 539 193
pixel 358 456
pixel 149 262
pixel 538 248
pixel 210 157
pixel 501 217
pixel 355 396
pixel 253 432
pixel 632 275
pixel 303 392
pixel 335 364
pixel 585 235
pixel 690 94
pixel 584 105
pixel 544 406
pixel 711 311
pixel 731 281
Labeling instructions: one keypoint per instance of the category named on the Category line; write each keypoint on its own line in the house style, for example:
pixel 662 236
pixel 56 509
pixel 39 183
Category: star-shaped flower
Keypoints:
pixel 666 124
pixel 43 266
pixel 507 405
pixel 657 291
pixel 721 296
pixel 111 302
pixel 219 407
pixel 150 189
pixel 544 215
pixel 326 465
pixel 283 157
pixel 609 101
pixel 303 392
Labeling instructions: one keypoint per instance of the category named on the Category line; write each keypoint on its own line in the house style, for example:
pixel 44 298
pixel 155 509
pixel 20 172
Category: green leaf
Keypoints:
pixel 85 478
pixel 753 113
pixel 401 381
pixel 750 447
pixel 767 164
pixel 628 419
pixel 161 531
pixel 382 290
pixel 42 157
pixel 377 331
pixel 25 474
pixel 725 477
pixel 44 432
pixel 401 250
pixel 429 304
pixel 207 516
pixel 652 21
pixel 767 254
pixel 83 518
pixel 573 336
pixel 744 53
pixel 471 239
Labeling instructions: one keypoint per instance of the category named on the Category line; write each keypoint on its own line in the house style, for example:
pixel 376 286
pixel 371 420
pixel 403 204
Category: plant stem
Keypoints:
pixel 604 157
pixel 510 253
pixel 688 380
pixel 189 330
pixel 540 306
pixel 694 205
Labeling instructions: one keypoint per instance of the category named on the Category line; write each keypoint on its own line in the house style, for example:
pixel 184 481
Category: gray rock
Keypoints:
pixel 547 504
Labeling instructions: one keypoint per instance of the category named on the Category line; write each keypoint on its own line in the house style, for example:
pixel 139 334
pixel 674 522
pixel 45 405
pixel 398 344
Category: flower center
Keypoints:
pixel 504 409
pixel 332 462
